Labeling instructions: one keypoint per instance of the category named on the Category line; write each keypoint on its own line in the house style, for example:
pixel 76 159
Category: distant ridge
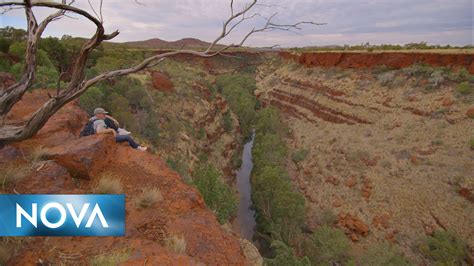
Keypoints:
pixel 157 43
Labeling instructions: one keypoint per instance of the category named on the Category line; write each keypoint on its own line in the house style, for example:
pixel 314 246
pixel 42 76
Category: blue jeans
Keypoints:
pixel 127 138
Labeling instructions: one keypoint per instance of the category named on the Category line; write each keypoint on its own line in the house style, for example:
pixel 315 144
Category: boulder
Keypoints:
pixel 352 226
pixel 447 101
pixel 333 180
pixel 86 156
pixel 470 113
pixel 252 256
pixel 351 181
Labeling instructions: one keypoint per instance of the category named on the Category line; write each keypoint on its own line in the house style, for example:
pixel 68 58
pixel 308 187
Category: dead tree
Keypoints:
pixel 78 83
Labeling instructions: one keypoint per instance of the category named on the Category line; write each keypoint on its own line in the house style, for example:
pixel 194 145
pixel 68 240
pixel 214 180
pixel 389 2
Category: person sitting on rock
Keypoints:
pixel 105 124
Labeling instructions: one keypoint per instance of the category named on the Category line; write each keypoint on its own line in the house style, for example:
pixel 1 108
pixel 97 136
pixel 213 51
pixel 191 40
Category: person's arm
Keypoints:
pixel 113 119
pixel 106 131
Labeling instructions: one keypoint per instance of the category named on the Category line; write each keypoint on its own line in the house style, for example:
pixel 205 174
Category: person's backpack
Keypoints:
pixel 110 124
pixel 88 129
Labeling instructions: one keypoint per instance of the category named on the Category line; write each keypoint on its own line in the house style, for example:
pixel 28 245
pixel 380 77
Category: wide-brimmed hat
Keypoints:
pixel 100 111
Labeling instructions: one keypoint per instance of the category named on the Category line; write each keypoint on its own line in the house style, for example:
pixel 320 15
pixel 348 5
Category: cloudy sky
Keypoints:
pixel 348 21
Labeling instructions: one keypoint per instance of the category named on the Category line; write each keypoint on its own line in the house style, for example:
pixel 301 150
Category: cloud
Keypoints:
pixel 348 21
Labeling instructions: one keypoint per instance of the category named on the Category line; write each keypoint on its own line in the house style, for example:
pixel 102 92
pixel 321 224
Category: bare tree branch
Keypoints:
pixel 231 19
pixel 10 96
pixel 78 84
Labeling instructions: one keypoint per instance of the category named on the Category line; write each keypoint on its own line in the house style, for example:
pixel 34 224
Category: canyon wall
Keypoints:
pixel 389 156
pixel 389 59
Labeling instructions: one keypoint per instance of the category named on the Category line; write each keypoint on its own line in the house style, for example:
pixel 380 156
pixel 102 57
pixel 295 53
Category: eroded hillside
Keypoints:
pixel 385 154
pixel 173 226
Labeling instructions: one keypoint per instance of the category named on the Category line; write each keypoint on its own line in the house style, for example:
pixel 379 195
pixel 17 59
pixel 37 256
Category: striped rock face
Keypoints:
pixel 389 150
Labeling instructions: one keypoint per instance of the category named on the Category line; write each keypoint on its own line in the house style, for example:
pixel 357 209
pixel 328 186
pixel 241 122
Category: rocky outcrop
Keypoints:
pixel 389 59
pixel 182 212
pixel 391 160
pixel 86 156
pixel 161 81
pixel 352 226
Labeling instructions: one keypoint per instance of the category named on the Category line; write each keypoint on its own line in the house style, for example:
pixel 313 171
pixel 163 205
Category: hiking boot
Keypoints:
pixel 142 148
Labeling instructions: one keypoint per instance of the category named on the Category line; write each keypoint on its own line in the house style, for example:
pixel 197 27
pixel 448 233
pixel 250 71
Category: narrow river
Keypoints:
pixel 245 215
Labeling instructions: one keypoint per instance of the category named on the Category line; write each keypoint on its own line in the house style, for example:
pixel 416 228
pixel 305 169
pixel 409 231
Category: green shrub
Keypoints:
pixel 179 165
pixel 5 64
pixel 419 70
pixel 268 150
pixel 471 144
pixel 280 209
pixel 46 77
pixel 384 254
pixel 299 155
pixel 203 157
pixel 227 122
pixel 11 173
pixel 464 88
pixel 201 133
pixel 150 128
pixel 386 78
pixel 91 99
pixel 463 74
pixel 245 82
pixel 326 217
pixel 268 121
pixel 108 63
pixel 436 78
pixel 17 70
pixel 238 90
pixel 285 255
pixel 242 103
pixel 328 246
pixel 236 160
pixel 218 196
pixel 444 248
pixel 18 49
pixel 4 45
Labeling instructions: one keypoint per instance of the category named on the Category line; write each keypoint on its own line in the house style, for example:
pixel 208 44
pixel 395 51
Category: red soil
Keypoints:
pixel 182 211
pixel 392 59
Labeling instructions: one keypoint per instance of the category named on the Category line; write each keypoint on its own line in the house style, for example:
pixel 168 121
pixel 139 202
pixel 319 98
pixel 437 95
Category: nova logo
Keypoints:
pixel 62 215
pixel 32 218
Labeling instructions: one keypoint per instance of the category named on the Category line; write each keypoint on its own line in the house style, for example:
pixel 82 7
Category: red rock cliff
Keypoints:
pixel 389 59
pixel 182 212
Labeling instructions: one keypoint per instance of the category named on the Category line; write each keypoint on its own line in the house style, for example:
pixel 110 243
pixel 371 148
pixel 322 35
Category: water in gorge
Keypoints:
pixel 246 215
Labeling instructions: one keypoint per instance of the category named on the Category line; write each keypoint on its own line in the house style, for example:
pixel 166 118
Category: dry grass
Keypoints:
pixel 149 197
pixel 108 184
pixel 12 173
pixel 177 244
pixel 4 254
pixel 111 258
pixel 38 154
pixel 8 247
